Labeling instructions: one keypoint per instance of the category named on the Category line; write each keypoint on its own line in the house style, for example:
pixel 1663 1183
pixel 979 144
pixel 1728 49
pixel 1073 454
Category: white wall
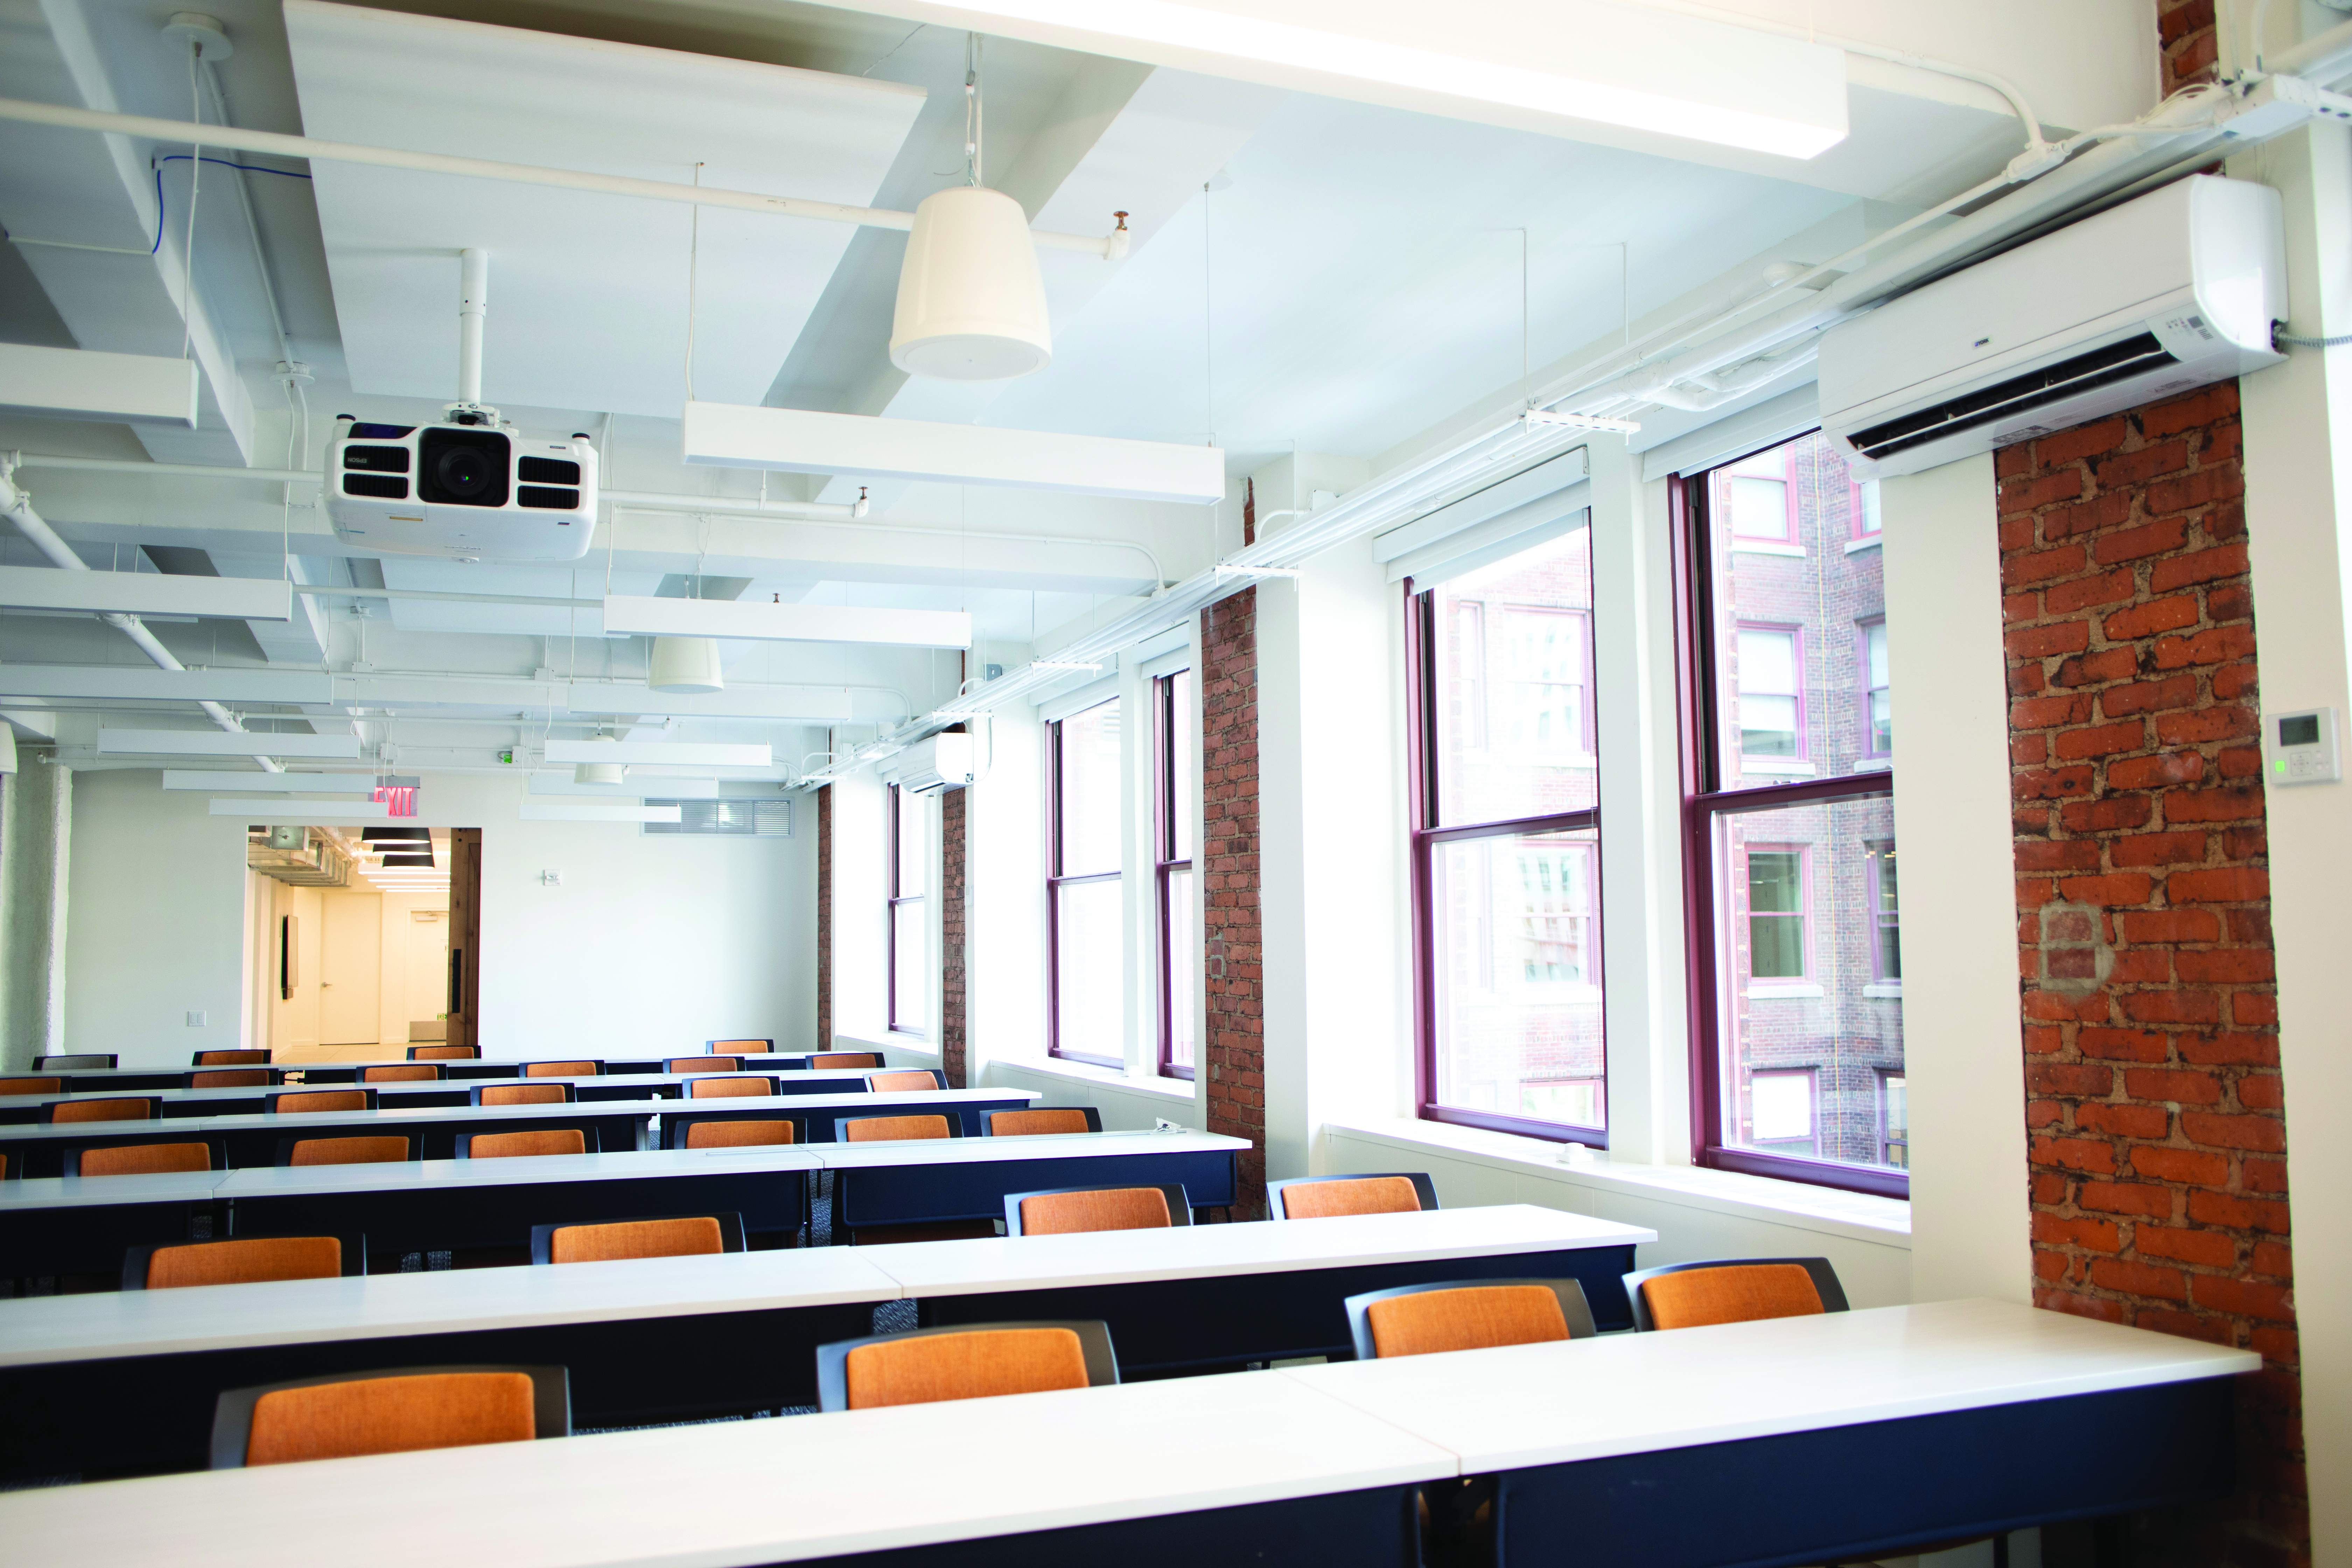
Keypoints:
pixel 1964 1052
pixel 861 870
pixel 1005 910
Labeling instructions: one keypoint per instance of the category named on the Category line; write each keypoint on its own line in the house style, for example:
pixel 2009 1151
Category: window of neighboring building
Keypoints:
pixel 1895 1119
pixel 1176 713
pixel 1865 510
pixel 1085 913
pixel 1506 847
pixel 910 931
pixel 1760 492
pixel 1794 937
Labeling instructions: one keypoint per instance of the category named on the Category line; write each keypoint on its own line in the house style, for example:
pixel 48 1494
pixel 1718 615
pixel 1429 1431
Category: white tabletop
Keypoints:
pixel 1190 1252
pixel 70 1192
pixel 981 1150
pixel 1025 1462
pixel 1632 1393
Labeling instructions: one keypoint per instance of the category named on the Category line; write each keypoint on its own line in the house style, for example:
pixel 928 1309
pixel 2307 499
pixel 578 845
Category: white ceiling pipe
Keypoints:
pixel 17 507
pixel 473 310
pixel 1110 246
pixel 2322 59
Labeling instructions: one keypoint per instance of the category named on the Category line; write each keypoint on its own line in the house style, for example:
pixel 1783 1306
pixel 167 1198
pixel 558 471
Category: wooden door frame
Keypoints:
pixel 465 977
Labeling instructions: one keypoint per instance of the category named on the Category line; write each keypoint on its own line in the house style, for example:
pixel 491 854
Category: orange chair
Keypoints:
pixel 374 1150
pixel 445 1052
pixel 905 1082
pixel 142 1108
pixel 728 1088
pixel 32 1085
pixel 83 1061
pixel 878 1129
pixel 233 1077
pixel 350 1413
pixel 1323 1197
pixel 845 1059
pixel 977 1362
pixel 404 1072
pixel 690 1236
pixel 303 1101
pixel 754 1047
pixel 231 1058
pixel 247 1261
pixel 144 1159
pixel 702 1063
pixel 562 1070
pixel 1733 1291
pixel 1041 1121
pixel 523 1094
pixel 1061 1210
pixel 725 1132
pixel 512 1145
pixel 1466 1315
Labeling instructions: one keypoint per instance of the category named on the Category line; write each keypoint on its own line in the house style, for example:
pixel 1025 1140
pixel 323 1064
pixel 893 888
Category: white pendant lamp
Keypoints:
pixel 971 306
pixel 600 773
pixel 686 665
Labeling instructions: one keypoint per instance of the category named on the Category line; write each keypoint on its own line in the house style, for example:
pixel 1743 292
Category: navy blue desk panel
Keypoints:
pixel 252 1139
pixel 1372 1529
pixel 921 1193
pixel 91 1238
pixel 816 1124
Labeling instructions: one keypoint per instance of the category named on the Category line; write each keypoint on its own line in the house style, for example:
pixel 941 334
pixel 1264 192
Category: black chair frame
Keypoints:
pixel 1825 1280
pixel 687 1081
pixel 542 1237
pixel 270 1101
pixel 473 1053
pixel 285 1156
pixel 874 1062
pixel 70 1161
pixel 86 1061
pixel 1180 1207
pixel 841 1125
pixel 154 1107
pixel 196 1059
pixel 571 1090
pixel 1093 1342
pixel 588 1134
pixel 988 1120
pixel 440 1072
pixel 1421 1184
pixel 551 1388
pixel 1573 1307
pixel 595 1068
pixel 272 1076
pixel 767 1047
pixel 135 1260
pixel 938 1080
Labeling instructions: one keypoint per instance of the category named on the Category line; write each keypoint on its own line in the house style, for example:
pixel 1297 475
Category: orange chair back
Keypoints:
pixel 522 1094
pixel 320 1100
pixel 846 1059
pixel 976 1365
pixel 230 1058
pixel 1475 1317
pixel 561 1069
pixel 244 1262
pixel 1108 1208
pixel 31 1085
pixel 402 1072
pixel 1735 1293
pixel 879 1129
pixel 146 1159
pixel 636 1238
pixel 703 1064
pixel 1373 1195
pixel 390 1415
pixel 901 1082
pixel 760 1046
pixel 728 1088
pixel 737 1134
pixel 539 1141
pixel 235 1078
pixel 445 1052
pixel 102 1110
pixel 1035 1123
pixel 349 1151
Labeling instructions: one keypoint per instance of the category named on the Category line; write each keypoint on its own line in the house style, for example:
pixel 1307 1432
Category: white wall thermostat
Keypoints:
pixel 2300 748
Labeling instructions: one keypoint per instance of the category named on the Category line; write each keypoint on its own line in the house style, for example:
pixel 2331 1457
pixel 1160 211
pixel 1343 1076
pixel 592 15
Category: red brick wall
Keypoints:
pixel 2155 1108
pixel 2184 30
pixel 1234 1059
pixel 953 888
pixel 825 918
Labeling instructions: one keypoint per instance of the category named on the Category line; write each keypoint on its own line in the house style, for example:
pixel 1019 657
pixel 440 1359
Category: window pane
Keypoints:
pixel 910 991
pixel 1517 930
pixel 1790 701
pixel 913 862
pixel 1895 1116
pixel 1088 794
pixel 1184 789
pixel 1804 923
pixel 1513 645
pixel 1184 966
pixel 1086 971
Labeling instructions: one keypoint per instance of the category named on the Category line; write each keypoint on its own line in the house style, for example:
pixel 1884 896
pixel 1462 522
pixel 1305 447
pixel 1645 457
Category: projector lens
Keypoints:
pixel 464 467
pixel 463 474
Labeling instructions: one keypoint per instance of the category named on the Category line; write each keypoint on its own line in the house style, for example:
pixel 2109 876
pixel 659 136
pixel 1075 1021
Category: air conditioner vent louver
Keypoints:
pixel 1986 404
pixel 728 819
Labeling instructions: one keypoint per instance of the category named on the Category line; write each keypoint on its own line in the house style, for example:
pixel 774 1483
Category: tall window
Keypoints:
pixel 1085 915
pixel 1506 850
pixel 1794 932
pixel 1176 787
pixel 910 934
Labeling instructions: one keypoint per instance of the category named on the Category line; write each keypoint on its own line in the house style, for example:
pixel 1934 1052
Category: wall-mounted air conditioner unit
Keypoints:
pixel 943 762
pixel 2141 302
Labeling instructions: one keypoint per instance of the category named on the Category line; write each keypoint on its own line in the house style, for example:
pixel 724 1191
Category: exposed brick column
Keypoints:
pixel 2184 31
pixel 952 889
pixel 2155 1108
pixel 1234 1058
pixel 825 918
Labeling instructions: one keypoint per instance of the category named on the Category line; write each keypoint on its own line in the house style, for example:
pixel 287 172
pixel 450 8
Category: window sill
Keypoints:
pixel 890 1041
pixel 1776 768
pixel 1766 547
pixel 1892 989
pixel 1868 542
pixel 1873 765
pixel 1857 1216
pixel 1784 993
pixel 1175 1089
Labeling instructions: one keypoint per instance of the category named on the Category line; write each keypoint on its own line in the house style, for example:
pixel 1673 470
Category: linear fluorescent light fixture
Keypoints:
pixel 684 753
pixel 146 593
pixel 639 616
pixel 85 383
pixel 1567 421
pixel 226 743
pixel 141 684
pixel 557 785
pixel 596 811
pixel 308 813
pixel 215 780
pixel 1568 59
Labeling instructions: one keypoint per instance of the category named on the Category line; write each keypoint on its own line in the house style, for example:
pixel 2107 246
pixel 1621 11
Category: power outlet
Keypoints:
pixel 1165 1125
pixel 196 1020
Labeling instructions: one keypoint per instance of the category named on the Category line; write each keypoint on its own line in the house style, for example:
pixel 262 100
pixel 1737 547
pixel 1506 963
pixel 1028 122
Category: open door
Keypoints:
pixel 464 935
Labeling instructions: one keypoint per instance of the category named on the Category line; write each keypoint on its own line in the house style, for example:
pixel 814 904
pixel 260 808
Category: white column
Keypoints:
pixel 36 844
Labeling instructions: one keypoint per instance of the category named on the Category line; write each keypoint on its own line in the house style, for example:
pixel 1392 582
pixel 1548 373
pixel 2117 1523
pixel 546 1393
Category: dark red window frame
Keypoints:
pixel 1054 883
pixel 891 919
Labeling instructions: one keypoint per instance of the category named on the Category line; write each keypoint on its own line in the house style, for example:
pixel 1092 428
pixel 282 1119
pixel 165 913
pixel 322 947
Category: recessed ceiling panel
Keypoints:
pixel 588 292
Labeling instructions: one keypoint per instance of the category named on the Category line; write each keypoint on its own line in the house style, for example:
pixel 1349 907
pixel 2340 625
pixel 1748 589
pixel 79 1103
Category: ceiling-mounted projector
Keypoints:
pixel 462 491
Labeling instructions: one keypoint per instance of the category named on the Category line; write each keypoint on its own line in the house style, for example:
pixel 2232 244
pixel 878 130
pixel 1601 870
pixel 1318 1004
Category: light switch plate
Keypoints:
pixel 196 1020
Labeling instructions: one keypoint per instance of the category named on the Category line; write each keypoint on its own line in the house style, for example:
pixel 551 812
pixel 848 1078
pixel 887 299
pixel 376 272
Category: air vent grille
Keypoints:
pixel 2083 373
pixel 728 819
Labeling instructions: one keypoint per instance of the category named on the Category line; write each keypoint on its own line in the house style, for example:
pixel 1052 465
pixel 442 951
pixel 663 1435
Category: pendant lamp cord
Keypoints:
pixel 975 116
pixel 693 257
pixel 195 185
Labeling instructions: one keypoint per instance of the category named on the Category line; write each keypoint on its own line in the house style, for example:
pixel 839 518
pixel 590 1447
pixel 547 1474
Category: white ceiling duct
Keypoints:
pixel 686 665
pixel 971 306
